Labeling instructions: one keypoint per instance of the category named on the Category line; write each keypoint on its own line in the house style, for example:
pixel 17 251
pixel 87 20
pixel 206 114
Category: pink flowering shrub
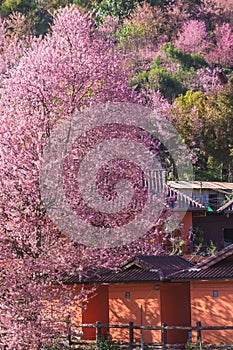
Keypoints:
pixel 193 37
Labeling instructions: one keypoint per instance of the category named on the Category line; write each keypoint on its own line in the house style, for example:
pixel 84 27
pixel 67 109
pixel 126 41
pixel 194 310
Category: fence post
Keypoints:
pixel 68 328
pixel 131 335
pixel 198 331
pixel 164 335
pixel 97 332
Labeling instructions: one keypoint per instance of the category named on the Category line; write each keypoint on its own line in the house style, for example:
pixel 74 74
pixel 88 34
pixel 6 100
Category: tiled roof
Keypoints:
pixel 139 269
pixel 164 268
pixel 222 270
pixel 165 263
pixel 219 266
pixel 130 275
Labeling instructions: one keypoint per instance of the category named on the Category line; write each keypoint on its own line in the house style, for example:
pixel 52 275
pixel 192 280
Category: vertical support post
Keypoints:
pixel 198 332
pixel 97 332
pixel 131 336
pixel 68 328
pixel 164 335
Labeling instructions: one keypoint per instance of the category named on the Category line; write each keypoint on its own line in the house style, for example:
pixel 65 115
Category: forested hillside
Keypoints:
pixel 181 49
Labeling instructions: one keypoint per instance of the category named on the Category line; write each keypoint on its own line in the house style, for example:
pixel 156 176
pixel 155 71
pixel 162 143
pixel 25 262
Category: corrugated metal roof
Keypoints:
pixel 182 200
pixel 198 185
pixel 164 268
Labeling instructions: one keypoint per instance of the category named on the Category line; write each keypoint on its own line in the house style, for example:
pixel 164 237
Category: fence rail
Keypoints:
pixel 164 328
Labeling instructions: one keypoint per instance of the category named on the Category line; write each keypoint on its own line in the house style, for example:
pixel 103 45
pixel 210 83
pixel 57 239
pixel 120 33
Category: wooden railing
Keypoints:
pixel 196 330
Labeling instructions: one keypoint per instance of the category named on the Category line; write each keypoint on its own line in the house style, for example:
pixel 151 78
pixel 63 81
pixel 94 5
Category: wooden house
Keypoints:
pixel 210 194
pixel 210 217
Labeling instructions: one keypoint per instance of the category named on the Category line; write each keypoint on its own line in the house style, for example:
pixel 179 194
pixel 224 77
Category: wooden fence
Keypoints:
pixel 164 328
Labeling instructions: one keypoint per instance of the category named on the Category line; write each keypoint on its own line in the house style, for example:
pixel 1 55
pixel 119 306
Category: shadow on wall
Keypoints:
pixel 212 304
pixel 139 303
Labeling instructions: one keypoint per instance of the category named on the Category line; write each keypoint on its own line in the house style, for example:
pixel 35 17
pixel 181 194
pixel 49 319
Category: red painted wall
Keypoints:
pixel 175 309
pixel 96 310
pixel 187 221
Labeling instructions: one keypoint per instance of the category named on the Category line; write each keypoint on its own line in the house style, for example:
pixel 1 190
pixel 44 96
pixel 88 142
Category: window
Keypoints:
pixel 213 201
pixel 228 236
pixel 127 295
pixel 215 293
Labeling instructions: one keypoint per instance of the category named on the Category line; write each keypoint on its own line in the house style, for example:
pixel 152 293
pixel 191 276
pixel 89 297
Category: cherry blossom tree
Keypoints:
pixel 221 52
pixel 214 12
pixel 177 12
pixel 141 34
pixel 193 37
pixel 15 39
pixel 70 69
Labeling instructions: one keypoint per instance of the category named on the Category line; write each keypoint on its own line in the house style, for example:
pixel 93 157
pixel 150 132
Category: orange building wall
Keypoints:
pixel 175 310
pixel 213 311
pixel 142 308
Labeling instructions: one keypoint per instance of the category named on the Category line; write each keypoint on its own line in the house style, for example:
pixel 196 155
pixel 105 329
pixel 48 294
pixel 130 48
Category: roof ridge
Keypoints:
pixel 225 206
pixel 214 259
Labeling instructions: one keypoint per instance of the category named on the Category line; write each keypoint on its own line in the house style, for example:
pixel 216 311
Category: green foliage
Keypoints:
pixel 130 31
pixel 228 198
pixel 219 121
pixel 193 346
pixel 22 6
pixel 171 72
pixel 156 62
pixel 212 249
pixel 198 237
pixel 210 172
pixel 87 4
pixel 190 100
pixel 115 8
pixel 186 60
pixel 159 79
pixel 207 122
pixel 39 12
pixel 105 344
pixel 166 83
pixel 183 107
